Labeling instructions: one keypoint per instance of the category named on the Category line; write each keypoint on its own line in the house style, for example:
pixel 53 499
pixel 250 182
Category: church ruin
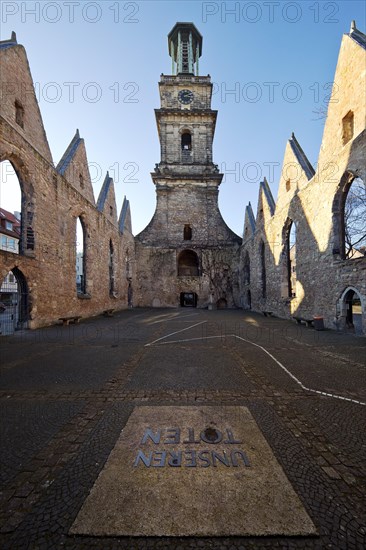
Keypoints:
pixel 296 257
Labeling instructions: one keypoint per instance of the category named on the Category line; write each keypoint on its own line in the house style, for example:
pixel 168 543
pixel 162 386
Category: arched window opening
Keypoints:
pixel 80 257
pixel 188 264
pixel 288 283
pixel 249 300
pixel 288 185
pixel 292 261
pixel 10 211
pixel 246 271
pixel 186 146
pixel 14 303
pixel 111 270
pixel 128 265
pixel 81 180
pixel 187 233
pixel 186 141
pixel 263 278
pixel 354 221
pixel 347 127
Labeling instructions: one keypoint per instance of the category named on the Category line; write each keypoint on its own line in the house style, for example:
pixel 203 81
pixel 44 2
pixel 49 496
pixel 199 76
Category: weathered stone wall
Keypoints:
pixel 159 285
pixel 312 199
pixel 52 201
pixel 171 85
pixel 159 245
pixel 189 203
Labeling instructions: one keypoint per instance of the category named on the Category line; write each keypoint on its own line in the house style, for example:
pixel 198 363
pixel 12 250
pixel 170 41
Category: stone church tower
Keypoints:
pixel 187 255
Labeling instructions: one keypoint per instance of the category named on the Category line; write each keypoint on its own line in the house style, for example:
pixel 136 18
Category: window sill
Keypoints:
pixel 83 296
pixel 29 253
pixel 10 251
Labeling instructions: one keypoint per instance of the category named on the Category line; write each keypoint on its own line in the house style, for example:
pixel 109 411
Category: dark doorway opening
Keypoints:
pixel 249 300
pixel 188 299
pixel 353 312
pixel 14 303
pixel 221 303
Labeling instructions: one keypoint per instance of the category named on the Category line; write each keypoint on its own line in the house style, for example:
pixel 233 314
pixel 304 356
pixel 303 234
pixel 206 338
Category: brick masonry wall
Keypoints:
pixel 55 204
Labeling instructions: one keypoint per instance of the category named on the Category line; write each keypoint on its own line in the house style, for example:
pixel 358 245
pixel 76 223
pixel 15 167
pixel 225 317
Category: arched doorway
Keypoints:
pixel 14 303
pixel 221 303
pixel 352 310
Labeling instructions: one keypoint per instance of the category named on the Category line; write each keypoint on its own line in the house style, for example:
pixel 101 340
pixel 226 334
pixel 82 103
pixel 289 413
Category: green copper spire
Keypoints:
pixel 185 48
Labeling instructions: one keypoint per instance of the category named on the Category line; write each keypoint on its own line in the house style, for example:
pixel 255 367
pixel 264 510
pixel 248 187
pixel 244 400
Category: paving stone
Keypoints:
pixel 56 438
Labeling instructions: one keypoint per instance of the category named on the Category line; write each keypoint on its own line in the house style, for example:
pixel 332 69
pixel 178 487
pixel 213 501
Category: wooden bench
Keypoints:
pixel 109 312
pixel 267 313
pixel 75 319
pixel 300 320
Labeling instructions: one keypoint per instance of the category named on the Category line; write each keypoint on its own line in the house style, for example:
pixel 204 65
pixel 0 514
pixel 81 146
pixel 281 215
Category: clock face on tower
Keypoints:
pixel 185 96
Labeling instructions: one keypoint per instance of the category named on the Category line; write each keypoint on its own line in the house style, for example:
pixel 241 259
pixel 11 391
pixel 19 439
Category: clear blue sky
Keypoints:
pixel 283 54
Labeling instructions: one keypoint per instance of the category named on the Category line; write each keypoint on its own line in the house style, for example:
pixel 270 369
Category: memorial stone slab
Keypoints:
pixel 192 471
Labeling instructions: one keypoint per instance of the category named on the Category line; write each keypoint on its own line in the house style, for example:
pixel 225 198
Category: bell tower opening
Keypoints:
pixel 186 141
pixel 185 48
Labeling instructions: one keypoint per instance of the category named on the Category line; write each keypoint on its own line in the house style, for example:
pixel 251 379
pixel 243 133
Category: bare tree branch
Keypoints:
pixel 355 219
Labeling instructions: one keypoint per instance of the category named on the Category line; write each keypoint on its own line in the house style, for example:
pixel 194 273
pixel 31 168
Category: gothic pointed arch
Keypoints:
pixel 263 273
pixel 337 216
pixel 111 267
pixel 81 255
pixel 348 217
pixel 246 269
pixel 13 172
pixel 289 259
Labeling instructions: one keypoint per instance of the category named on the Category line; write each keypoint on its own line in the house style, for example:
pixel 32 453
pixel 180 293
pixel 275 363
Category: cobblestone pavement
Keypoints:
pixel 67 392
